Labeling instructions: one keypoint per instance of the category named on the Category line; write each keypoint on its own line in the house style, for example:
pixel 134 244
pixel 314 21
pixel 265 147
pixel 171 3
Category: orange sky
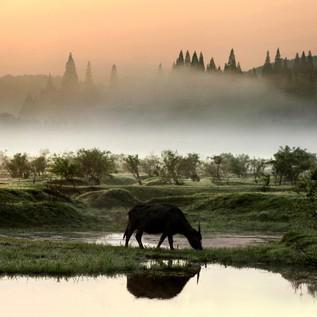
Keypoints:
pixel 36 35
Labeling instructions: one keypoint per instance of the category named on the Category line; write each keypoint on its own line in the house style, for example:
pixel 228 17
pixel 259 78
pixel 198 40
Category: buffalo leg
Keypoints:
pixel 170 241
pixel 163 236
pixel 128 236
pixel 138 237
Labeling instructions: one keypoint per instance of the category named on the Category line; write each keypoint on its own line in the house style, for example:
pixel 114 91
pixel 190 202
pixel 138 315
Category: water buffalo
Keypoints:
pixel 166 219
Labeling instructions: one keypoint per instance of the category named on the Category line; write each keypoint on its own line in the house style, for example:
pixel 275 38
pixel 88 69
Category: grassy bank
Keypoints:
pixel 226 208
pixel 61 258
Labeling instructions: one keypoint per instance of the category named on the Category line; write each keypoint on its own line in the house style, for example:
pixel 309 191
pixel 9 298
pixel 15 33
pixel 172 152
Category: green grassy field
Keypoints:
pixel 234 208
pixel 240 207
pixel 65 258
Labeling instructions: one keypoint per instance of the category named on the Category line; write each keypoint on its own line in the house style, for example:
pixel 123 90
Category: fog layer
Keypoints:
pixel 185 111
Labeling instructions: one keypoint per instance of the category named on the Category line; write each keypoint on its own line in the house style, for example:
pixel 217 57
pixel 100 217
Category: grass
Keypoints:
pixel 66 258
pixel 225 208
pixel 41 208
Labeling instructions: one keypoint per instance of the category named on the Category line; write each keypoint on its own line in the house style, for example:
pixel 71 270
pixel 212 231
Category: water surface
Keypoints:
pixel 221 292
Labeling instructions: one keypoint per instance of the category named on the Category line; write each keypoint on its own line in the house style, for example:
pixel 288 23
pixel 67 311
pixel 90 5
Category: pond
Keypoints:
pixel 214 240
pixel 220 291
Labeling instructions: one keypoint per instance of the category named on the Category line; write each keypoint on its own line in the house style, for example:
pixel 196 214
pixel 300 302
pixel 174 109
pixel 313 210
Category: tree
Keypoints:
pixel 211 67
pixel 201 62
pixel 231 66
pixel 171 163
pixel 187 59
pixel 218 166
pixel 195 61
pixel 65 166
pixel 303 64
pixel 70 80
pixel 218 161
pixel 257 167
pixel 95 164
pixel 38 166
pixel 239 165
pixel 188 166
pixel 308 184
pixel 267 67
pixel 310 66
pixel 287 73
pixel 133 165
pixel 151 165
pixel 180 60
pixel 278 63
pixel 18 166
pixel 289 163
pixel 296 66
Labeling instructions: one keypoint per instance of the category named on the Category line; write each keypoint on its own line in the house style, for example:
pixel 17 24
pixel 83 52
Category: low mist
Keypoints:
pixel 184 111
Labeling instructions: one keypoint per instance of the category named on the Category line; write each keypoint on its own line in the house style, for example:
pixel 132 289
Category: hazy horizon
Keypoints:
pixel 189 112
pixel 147 112
pixel 142 34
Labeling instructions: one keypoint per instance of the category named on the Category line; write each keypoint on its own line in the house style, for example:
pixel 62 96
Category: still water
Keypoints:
pixel 221 292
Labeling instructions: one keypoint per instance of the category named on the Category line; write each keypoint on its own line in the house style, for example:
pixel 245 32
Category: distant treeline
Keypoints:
pixel 93 166
pixel 298 74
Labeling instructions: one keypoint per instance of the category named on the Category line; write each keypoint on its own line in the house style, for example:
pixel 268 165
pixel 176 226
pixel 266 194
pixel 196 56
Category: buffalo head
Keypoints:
pixel 194 238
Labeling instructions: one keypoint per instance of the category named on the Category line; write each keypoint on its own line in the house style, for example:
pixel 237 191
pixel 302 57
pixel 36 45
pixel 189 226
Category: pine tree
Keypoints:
pixel 212 66
pixel 296 66
pixel 310 66
pixel 278 63
pixel 201 62
pixel 267 67
pixel 180 60
pixel 303 63
pixel 89 81
pixel 286 70
pixel 70 79
pixel 195 62
pixel 187 59
pixel 231 66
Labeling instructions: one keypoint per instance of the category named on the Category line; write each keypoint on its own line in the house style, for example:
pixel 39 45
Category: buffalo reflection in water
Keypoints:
pixel 159 286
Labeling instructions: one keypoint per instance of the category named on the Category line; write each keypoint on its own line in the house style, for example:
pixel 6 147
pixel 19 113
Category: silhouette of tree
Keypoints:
pixel 133 164
pixel 211 67
pixel 180 60
pixel 267 67
pixel 195 61
pixel 231 66
pixel 303 64
pixel 70 80
pixel 201 62
pixel 278 63
pixel 296 66
pixel 187 59
pixel 310 66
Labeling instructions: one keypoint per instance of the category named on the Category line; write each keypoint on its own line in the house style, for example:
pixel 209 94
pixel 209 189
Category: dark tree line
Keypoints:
pixel 197 63
pixel 288 166
pixel 298 75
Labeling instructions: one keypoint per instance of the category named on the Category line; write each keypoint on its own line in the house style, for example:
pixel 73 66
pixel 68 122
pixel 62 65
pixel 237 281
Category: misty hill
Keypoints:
pixel 14 89
pixel 290 64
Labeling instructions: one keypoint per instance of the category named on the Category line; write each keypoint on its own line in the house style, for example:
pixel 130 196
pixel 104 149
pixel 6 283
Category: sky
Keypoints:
pixel 140 34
